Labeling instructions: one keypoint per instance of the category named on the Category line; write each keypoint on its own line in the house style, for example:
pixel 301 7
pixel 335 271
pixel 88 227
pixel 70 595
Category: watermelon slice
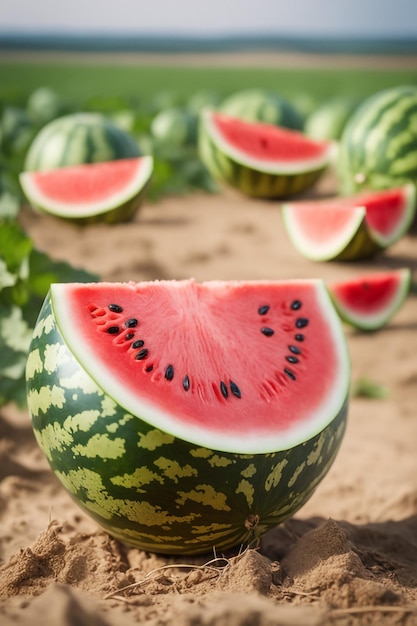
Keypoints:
pixel 110 191
pixel 260 159
pixel 348 228
pixel 183 416
pixel 369 302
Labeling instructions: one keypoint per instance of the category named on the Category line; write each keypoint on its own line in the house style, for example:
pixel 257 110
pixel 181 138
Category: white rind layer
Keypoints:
pixel 323 250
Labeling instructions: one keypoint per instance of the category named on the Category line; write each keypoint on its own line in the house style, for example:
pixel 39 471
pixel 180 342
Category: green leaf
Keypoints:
pixel 9 205
pixel 43 271
pixel 14 330
pixel 13 390
pixel 15 336
pixel 7 279
pixel 15 246
pixel 25 277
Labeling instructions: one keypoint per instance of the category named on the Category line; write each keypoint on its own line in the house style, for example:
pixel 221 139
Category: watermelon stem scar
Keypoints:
pixel 174 419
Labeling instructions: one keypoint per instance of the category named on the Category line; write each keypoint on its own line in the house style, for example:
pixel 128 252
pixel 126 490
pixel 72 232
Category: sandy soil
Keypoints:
pixel 349 557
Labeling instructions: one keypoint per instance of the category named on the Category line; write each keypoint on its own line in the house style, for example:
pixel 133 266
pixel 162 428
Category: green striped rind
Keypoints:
pixel 247 179
pixel 148 488
pixel 361 246
pixel 76 139
pixel 256 105
pixel 378 147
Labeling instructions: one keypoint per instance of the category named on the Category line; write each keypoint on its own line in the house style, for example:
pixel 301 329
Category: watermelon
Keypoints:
pixel 348 228
pixel 259 105
pixel 202 99
pixel 16 130
pixel 110 192
pixel 79 138
pixel 258 159
pixel 370 301
pixel 172 411
pixel 45 104
pixel 175 126
pixel 328 120
pixel 378 148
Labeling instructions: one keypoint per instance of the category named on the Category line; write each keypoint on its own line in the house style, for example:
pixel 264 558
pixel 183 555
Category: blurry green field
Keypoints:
pixel 83 80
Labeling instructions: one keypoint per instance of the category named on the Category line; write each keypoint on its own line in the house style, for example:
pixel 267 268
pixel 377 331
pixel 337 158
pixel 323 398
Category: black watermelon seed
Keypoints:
pixel 235 389
pixel 149 368
pixel 142 354
pixel 302 322
pixel 292 359
pixel 268 332
pixel 113 330
pixel 295 305
pixel 299 337
pixel 294 349
pixel 169 372
pixel 129 336
pixel 263 310
pixel 186 383
pixel 289 373
pixel 137 344
pixel 116 308
pixel 131 323
pixel 224 390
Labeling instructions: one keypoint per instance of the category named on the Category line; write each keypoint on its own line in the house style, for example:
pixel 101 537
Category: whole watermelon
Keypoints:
pixel 378 148
pixel 328 120
pixel 76 139
pixel 45 104
pixel 175 126
pixel 258 105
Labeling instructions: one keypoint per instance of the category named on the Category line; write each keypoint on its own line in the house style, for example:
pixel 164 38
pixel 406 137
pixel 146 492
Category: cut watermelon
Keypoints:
pixel 261 159
pixel 183 416
pixel 348 228
pixel 110 191
pixel 369 302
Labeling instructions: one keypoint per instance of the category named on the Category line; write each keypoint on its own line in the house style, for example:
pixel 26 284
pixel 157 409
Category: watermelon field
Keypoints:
pixel 187 190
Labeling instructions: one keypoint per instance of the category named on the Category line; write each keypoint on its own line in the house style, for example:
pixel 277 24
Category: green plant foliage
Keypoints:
pixel 25 277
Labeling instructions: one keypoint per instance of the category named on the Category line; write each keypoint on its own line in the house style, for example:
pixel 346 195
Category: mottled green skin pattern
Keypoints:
pixel 146 487
pixel 79 138
pixel 248 180
pixel 256 105
pixel 378 148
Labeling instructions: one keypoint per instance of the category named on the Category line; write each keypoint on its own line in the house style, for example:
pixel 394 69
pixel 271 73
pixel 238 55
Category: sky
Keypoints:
pixel 211 17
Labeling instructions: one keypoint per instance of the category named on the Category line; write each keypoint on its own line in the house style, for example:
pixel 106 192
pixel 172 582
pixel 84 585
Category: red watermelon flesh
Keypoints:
pixel 322 229
pixel 320 223
pixel 371 300
pixel 388 213
pixel 241 366
pixel 87 189
pixel 320 232
pixel 89 182
pixel 268 144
